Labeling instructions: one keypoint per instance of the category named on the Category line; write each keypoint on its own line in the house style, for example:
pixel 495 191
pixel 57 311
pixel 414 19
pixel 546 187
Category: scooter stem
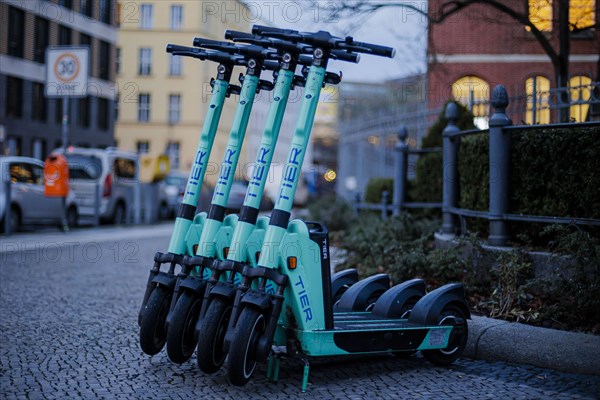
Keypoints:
pixel 291 172
pixel 216 214
pixel 251 206
pixel 187 208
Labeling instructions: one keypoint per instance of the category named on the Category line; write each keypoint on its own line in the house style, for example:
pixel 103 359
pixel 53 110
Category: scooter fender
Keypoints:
pixel 224 291
pixel 341 281
pixel 397 301
pixel 262 301
pixel 165 279
pixel 428 309
pixel 356 298
pixel 193 284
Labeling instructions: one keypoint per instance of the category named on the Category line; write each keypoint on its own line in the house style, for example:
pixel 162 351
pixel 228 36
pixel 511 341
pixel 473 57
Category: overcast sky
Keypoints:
pixel 396 27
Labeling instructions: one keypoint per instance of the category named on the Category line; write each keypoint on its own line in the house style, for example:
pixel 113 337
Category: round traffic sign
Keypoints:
pixel 66 67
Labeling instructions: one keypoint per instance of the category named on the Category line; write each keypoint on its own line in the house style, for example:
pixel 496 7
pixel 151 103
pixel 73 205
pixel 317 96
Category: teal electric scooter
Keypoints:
pixel 295 259
pixel 160 285
pixel 216 227
pixel 249 230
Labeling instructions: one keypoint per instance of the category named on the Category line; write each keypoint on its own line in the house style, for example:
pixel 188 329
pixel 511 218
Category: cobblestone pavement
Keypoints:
pixel 68 330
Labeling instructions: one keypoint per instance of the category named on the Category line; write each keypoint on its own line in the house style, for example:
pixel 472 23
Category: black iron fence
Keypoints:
pixel 498 214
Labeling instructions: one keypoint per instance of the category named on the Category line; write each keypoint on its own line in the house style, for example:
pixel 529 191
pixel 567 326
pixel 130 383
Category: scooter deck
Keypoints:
pixel 366 320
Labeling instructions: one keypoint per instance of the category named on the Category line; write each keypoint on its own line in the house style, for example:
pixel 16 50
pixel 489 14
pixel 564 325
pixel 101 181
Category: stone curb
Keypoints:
pixel 496 340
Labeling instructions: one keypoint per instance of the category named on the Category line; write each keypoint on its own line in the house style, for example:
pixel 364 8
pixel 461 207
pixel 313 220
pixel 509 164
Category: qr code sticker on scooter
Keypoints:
pixel 437 337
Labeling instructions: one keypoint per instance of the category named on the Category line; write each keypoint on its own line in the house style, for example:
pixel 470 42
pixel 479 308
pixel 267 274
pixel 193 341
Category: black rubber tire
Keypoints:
pixel 119 214
pixel 241 362
pixel 404 314
pixel 210 354
pixel 72 217
pixel 153 329
pixel 457 342
pixel 181 337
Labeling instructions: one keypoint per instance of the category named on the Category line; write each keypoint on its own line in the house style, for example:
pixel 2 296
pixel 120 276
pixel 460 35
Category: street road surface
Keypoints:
pixel 68 329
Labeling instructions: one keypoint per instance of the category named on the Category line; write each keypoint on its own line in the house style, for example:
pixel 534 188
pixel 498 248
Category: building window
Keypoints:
pixel 174 108
pixel 105 11
pixel 103 114
pixel 146 16
pixel 173 153
pixel 104 72
pixel 38 104
pixel 582 14
pixel 144 107
pixel 580 88
pixel 16 33
pixel 83 114
pixel 64 35
pixel 537 89
pixel 145 61
pixel 175 65
pixel 14 97
pixel 66 3
pixel 118 61
pixel 40 39
pixel 38 149
pixel 474 93
pixel 143 147
pixel 86 40
pixel 176 17
pixel 14 146
pixel 85 7
pixel 117 106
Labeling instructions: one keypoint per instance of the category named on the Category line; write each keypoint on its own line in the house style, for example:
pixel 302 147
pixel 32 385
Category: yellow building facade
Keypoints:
pixel 163 99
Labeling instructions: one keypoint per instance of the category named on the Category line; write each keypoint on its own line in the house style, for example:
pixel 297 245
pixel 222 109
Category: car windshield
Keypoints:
pixel 84 167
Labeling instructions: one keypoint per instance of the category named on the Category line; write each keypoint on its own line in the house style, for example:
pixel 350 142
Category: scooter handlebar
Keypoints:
pixel 375 49
pixel 216 56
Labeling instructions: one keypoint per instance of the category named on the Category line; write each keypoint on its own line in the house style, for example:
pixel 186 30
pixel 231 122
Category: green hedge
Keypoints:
pixel 376 187
pixel 554 172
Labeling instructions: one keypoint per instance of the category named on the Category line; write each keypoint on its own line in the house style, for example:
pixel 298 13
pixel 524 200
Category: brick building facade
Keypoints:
pixel 486 46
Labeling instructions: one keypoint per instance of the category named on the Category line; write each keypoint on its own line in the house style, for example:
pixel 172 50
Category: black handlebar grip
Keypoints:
pixel 376 49
pixel 260 29
pixel 271 65
pixel 236 35
pixel 343 55
pixel 172 48
pixel 208 43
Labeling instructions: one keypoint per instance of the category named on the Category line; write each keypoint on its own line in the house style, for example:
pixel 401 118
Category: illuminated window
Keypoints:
pixel 538 107
pixel 540 14
pixel 582 14
pixel 474 93
pixel 580 88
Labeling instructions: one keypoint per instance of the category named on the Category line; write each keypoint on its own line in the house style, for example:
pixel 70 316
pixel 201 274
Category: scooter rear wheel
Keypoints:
pixel 458 338
pixel 210 354
pixel 153 330
pixel 242 351
pixel 181 337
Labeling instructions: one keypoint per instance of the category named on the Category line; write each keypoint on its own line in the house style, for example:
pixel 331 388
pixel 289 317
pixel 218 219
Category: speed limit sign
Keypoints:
pixel 67 71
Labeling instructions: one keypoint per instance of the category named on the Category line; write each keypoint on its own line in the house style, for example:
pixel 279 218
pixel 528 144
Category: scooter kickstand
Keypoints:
pixel 305 376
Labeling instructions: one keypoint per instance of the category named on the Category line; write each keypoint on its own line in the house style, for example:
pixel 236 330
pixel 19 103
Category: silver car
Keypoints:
pixel 109 171
pixel 28 204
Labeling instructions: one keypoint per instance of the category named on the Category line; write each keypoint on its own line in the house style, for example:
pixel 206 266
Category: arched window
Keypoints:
pixel 538 107
pixel 474 93
pixel 581 91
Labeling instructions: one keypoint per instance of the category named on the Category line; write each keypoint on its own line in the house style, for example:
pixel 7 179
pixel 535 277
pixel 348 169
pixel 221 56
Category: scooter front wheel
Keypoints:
pixel 181 338
pixel 242 351
pixel 450 315
pixel 153 330
pixel 210 354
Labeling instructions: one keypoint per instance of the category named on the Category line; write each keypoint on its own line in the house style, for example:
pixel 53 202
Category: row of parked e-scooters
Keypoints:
pixel 253 288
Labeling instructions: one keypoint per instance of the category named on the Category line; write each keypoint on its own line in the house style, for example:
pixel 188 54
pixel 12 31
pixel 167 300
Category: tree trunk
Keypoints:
pixel 562 69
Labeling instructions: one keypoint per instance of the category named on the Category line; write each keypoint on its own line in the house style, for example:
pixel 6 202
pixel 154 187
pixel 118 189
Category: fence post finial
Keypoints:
pixel 450 170
pixel 400 171
pixel 499 155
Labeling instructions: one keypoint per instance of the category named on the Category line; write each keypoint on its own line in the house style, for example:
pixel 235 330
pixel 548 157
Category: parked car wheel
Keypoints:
pixel 163 212
pixel 119 214
pixel 72 217
pixel 14 219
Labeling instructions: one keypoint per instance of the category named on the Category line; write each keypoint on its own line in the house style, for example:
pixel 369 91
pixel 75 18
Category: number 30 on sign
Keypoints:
pixel 67 71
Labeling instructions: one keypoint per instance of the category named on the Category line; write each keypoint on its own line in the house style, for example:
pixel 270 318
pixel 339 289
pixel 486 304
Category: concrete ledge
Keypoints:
pixel 496 340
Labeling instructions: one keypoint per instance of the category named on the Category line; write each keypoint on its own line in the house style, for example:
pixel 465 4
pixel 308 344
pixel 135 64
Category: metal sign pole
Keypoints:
pixel 65 136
